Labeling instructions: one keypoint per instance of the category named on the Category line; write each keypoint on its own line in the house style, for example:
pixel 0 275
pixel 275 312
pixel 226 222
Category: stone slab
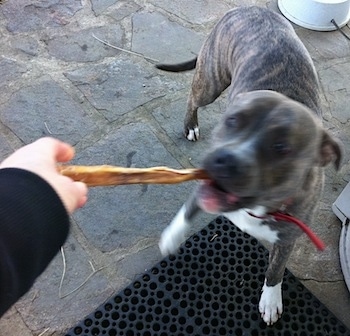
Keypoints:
pixel 42 306
pixel 134 265
pixel 27 45
pixel 197 12
pixel 334 77
pixel 99 6
pixel 125 9
pixel 45 109
pixel 307 262
pixel 121 86
pixel 5 148
pixel 12 324
pixel 10 70
pixel 154 35
pixel 25 16
pixel 81 46
pixel 325 45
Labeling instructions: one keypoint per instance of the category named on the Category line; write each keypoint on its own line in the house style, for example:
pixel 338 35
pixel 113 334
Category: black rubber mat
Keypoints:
pixel 211 287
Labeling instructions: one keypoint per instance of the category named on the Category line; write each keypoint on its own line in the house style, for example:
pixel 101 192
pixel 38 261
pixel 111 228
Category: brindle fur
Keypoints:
pixel 252 50
pixel 249 49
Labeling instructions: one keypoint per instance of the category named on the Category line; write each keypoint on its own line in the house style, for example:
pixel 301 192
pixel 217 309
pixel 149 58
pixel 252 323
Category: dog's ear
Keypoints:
pixel 330 150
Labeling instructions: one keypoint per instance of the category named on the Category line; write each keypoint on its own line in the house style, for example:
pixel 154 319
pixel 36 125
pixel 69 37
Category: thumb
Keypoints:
pixel 65 152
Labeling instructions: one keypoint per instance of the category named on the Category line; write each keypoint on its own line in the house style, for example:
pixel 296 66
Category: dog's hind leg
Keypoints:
pixel 208 83
pixel 270 305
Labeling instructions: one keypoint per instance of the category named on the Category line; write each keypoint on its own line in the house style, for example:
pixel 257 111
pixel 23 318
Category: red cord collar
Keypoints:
pixel 279 216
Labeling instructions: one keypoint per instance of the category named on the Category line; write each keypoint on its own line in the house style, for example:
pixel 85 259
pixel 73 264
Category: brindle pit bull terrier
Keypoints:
pixel 269 148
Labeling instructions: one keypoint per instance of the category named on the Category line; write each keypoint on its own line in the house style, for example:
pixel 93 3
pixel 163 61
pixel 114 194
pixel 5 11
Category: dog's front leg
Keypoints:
pixel 270 305
pixel 175 232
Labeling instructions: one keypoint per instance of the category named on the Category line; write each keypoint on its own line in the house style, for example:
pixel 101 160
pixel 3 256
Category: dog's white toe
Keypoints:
pixel 270 305
pixel 193 134
pixel 174 234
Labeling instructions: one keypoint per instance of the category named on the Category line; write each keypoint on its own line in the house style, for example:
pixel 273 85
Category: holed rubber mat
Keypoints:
pixel 211 287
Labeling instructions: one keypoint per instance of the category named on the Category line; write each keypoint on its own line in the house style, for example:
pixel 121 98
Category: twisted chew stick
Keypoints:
pixel 105 175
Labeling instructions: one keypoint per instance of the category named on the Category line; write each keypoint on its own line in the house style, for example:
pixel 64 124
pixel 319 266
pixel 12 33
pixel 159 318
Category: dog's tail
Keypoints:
pixel 185 66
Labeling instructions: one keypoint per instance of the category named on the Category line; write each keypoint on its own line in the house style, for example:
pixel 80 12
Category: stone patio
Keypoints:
pixel 116 108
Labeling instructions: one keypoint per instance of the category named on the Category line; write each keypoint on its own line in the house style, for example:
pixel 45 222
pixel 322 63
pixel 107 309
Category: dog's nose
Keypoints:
pixel 223 162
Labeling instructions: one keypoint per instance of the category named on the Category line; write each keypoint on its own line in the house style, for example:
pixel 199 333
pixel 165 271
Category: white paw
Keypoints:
pixel 174 234
pixel 270 305
pixel 193 134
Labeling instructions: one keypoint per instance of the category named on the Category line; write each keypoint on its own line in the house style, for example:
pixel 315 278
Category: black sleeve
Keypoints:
pixel 33 226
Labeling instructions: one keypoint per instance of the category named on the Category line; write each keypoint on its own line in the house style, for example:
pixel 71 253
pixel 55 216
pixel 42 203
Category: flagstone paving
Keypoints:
pixel 57 78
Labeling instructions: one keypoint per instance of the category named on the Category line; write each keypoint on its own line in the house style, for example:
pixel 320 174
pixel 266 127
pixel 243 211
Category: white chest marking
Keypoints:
pixel 252 225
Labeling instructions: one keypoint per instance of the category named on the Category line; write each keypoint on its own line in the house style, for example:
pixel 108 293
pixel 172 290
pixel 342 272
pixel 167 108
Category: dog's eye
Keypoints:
pixel 231 121
pixel 281 148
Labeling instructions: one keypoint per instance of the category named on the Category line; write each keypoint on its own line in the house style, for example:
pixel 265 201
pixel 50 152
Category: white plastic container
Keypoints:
pixel 316 14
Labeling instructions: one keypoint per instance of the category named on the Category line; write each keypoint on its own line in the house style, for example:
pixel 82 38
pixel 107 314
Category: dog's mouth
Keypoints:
pixel 214 198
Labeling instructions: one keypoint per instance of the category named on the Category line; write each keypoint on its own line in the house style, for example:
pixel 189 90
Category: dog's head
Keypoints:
pixel 264 148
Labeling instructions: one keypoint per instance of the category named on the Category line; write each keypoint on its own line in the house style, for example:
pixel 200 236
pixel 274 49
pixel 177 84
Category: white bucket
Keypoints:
pixel 316 14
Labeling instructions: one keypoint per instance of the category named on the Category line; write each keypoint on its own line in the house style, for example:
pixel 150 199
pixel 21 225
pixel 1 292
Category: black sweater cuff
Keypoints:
pixel 34 224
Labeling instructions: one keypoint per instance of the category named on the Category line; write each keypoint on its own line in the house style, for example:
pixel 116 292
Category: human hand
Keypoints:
pixel 41 158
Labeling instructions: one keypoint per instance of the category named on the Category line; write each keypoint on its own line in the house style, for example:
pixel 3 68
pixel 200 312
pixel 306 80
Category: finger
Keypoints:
pixel 81 188
pixel 82 202
pixel 73 195
pixel 82 191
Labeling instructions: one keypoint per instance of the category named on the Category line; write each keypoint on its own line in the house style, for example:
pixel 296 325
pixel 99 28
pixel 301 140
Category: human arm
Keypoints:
pixel 35 203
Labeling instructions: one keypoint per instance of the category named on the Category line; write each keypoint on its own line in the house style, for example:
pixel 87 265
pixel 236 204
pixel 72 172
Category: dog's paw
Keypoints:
pixel 170 241
pixel 193 134
pixel 270 305
pixel 174 234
